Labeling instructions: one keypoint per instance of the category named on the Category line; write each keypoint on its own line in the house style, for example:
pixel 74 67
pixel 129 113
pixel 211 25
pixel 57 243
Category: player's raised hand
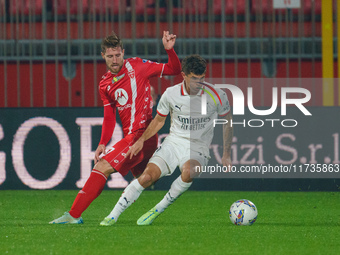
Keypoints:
pixel 100 149
pixel 168 40
pixel 135 149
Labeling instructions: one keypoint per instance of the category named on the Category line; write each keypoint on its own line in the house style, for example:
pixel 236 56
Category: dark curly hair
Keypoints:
pixel 111 41
pixel 194 64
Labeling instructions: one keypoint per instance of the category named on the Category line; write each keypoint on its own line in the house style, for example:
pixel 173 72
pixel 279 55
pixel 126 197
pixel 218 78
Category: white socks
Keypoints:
pixel 178 187
pixel 134 189
pixel 129 196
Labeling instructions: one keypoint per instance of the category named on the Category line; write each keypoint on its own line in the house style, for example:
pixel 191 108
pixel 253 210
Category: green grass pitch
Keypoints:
pixel 198 223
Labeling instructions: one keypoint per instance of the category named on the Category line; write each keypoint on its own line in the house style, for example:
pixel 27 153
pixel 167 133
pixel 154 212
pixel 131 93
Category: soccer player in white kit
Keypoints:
pixel 187 145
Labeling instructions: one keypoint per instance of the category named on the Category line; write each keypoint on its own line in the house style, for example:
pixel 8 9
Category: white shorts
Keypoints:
pixel 175 152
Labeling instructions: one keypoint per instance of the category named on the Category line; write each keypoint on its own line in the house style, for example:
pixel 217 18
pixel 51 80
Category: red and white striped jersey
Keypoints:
pixel 129 92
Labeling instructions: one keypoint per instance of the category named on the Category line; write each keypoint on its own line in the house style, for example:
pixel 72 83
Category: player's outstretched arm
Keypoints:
pixel 156 124
pixel 168 40
pixel 227 141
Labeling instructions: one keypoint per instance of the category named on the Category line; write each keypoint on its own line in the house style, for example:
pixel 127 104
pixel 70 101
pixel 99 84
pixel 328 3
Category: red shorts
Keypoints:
pixel 116 154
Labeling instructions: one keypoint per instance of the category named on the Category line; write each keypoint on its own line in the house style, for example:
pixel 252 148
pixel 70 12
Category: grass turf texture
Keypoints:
pixel 198 223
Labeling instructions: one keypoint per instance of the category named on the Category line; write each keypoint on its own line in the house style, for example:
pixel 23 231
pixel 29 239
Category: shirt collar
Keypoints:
pixel 185 93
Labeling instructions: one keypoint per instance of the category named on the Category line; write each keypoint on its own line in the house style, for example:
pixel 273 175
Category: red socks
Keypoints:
pixel 91 190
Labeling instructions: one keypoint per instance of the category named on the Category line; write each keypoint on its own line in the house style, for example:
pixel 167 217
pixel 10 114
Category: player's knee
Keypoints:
pixel 151 174
pixel 189 172
pixel 104 167
pixel 186 175
pixel 146 179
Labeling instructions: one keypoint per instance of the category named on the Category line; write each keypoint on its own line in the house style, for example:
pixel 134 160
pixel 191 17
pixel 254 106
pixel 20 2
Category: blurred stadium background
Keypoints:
pixel 50 59
pixel 50 49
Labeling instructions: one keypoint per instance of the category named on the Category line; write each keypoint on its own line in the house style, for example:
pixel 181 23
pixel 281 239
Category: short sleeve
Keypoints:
pixel 163 107
pixel 223 109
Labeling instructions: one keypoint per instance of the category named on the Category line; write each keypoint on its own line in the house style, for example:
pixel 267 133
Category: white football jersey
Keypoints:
pixel 187 120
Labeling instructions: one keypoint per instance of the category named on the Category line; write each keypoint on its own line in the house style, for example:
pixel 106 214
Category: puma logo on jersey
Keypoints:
pixel 179 107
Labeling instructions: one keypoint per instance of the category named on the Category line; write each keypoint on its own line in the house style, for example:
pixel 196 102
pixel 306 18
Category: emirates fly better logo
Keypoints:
pixel 239 103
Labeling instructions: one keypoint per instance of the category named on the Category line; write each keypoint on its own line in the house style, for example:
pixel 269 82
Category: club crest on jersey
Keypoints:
pixel 131 74
pixel 121 96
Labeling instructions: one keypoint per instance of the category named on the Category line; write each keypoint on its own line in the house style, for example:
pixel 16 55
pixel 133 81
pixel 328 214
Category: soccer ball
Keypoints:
pixel 243 212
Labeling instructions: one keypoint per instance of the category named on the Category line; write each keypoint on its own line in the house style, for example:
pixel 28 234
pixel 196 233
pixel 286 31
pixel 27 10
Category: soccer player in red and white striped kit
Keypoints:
pixel 125 87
